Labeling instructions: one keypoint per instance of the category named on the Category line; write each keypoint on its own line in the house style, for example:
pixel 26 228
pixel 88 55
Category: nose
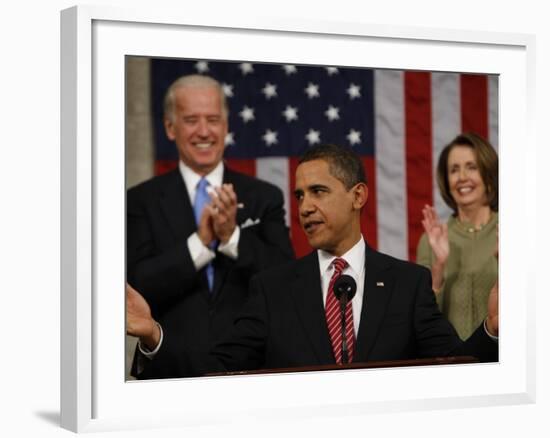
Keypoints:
pixel 306 206
pixel 202 128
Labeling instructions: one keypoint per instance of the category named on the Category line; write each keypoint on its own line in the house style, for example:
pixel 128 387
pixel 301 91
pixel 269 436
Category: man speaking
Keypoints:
pixel 289 319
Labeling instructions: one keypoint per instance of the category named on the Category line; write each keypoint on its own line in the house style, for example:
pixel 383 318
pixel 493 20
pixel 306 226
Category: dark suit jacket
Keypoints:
pixel 159 221
pixel 283 324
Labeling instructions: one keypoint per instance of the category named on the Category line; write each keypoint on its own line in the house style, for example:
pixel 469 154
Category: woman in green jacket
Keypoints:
pixel 462 253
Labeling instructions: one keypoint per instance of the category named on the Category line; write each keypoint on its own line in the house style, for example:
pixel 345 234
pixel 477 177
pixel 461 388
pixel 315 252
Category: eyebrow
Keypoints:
pixel 467 162
pixel 310 189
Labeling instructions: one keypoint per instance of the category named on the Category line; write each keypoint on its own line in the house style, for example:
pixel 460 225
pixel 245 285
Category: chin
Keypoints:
pixel 206 162
pixel 323 246
pixel 314 243
pixel 467 202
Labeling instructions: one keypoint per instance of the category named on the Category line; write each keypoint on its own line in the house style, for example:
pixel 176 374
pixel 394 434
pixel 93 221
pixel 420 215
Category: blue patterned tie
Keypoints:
pixel 201 199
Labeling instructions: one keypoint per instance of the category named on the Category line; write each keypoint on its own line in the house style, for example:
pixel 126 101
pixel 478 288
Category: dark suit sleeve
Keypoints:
pixel 435 336
pixel 243 348
pixel 245 345
pixel 267 243
pixel 160 272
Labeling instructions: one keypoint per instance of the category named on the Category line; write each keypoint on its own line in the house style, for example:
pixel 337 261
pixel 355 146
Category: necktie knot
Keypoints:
pixel 201 198
pixel 339 265
pixel 202 184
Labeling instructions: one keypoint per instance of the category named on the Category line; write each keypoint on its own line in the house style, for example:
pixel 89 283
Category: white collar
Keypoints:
pixel 355 257
pixel 192 178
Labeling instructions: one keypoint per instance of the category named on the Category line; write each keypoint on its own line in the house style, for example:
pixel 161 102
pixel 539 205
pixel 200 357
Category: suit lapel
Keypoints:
pixel 177 207
pixel 231 177
pixel 178 211
pixel 379 284
pixel 308 298
pixel 307 294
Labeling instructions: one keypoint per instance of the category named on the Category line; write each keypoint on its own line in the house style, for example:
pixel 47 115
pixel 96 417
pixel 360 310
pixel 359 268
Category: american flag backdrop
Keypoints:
pixel 397 121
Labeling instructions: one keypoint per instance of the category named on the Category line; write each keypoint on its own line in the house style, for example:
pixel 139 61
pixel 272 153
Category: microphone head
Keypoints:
pixel 345 286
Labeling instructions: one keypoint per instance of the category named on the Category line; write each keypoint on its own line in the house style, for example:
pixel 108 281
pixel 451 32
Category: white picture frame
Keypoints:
pixel 94 394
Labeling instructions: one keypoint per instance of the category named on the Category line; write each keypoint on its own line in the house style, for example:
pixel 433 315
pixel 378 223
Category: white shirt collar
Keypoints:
pixel 191 178
pixel 355 257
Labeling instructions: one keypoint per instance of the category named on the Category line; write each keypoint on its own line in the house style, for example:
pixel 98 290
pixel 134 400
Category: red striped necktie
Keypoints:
pixel 333 314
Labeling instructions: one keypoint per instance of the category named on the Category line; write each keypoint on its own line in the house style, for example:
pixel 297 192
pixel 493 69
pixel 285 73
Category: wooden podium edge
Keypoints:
pixel 451 360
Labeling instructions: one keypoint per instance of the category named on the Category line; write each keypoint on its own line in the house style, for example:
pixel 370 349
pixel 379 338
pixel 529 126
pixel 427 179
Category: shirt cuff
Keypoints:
pixel 231 247
pixel 494 338
pixel 200 253
pixel 150 354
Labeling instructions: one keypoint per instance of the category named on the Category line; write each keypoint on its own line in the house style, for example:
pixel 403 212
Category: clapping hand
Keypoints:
pixel 436 231
pixel 223 209
pixel 206 227
pixel 139 321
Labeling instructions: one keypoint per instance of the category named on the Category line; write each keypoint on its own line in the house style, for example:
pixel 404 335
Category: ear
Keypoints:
pixel 169 128
pixel 360 193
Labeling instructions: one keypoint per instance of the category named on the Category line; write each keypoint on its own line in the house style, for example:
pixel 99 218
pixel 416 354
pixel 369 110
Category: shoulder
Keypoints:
pixel 287 272
pixel 154 186
pixel 279 273
pixel 252 185
pixel 400 267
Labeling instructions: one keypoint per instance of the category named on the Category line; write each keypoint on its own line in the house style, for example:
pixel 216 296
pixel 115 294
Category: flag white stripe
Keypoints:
pixel 493 110
pixel 275 171
pixel 446 125
pixel 390 162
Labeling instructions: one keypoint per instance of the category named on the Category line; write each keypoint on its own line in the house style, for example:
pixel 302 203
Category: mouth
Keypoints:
pixel 204 146
pixel 465 190
pixel 311 227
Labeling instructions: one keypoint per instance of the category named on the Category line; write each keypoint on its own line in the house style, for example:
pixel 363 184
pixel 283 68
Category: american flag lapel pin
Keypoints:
pixel 380 283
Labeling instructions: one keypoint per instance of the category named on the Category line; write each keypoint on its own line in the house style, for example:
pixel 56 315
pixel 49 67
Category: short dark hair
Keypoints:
pixel 343 163
pixel 487 161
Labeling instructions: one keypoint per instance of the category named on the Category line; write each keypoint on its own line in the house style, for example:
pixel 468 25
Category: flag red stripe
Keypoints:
pixel 474 97
pixel 164 166
pixel 247 166
pixel 418 145
pixel 369 225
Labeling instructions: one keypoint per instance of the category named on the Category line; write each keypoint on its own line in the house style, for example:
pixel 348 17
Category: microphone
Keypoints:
pixel 344 290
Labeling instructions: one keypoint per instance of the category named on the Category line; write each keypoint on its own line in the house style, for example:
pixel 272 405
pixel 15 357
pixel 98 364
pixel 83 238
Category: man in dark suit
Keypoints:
pixel 289 320
pixel 196 235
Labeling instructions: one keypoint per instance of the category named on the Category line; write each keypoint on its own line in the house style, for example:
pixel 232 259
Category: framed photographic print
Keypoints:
pixel 97 45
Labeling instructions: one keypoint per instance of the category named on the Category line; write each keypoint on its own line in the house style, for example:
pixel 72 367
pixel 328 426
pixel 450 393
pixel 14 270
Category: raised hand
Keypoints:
pixel 139 321
pixel 437 233
pixel 224 212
